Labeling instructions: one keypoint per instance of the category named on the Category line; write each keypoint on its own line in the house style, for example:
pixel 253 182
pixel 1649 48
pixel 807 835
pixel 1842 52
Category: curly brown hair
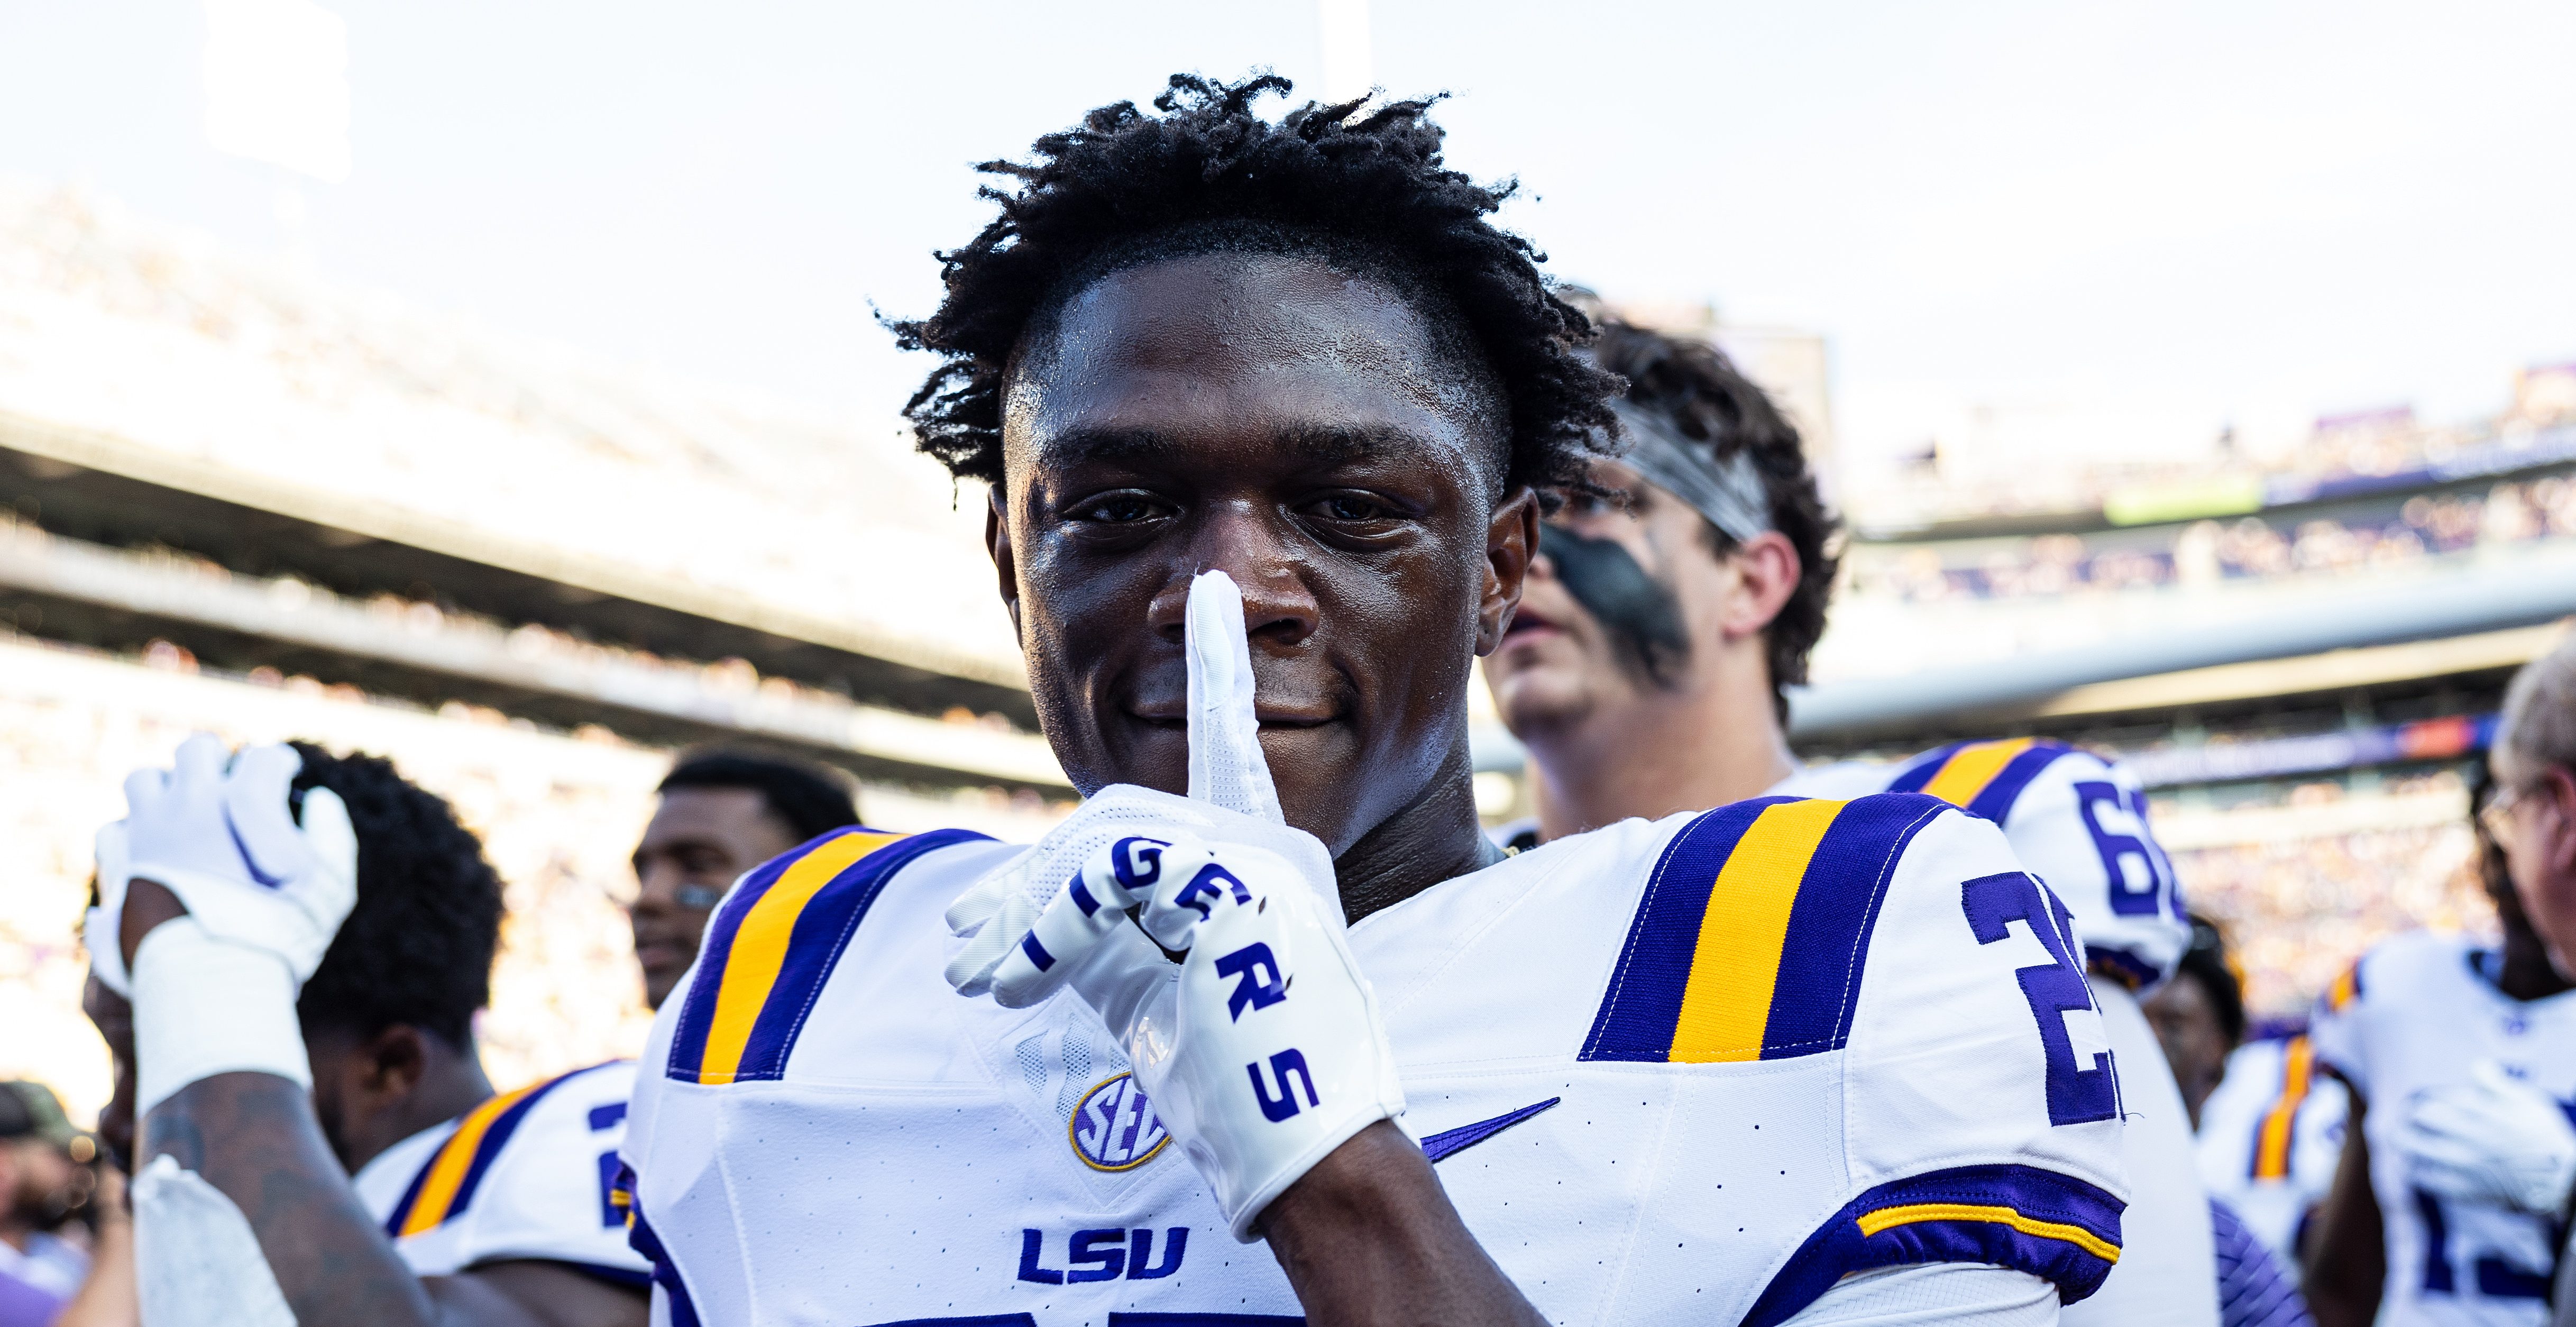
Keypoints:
pixel 1693 385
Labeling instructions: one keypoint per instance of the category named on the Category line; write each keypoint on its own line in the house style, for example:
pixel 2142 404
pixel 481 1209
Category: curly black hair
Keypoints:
pixel 417 949
pixel 810 801
pixel 1695 387
pixel 1207 173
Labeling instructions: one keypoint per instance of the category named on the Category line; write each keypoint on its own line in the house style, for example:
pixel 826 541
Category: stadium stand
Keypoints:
pixel 2304 683
pixel 233 499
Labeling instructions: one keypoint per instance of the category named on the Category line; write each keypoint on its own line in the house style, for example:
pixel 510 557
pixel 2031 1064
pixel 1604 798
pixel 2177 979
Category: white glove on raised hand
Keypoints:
pixel 2494 1140
pixel 1261 1050
pixel 222 837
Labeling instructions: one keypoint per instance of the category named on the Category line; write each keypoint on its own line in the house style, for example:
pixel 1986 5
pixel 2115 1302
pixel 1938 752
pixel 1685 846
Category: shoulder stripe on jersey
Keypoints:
pixel 2275 1133
pixel 773 943
pixel 445 1186
pixel 2053 1226
pixel 2346 988
pixel 1982 778
pixel 1748 944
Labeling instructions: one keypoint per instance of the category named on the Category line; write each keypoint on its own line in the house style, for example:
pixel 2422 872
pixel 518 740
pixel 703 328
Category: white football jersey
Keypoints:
pixel 2080 824
pixel 2417 1012
pixel 526 1174
pixel 1695 1070
pixel 2271 1135
pixel 2077 821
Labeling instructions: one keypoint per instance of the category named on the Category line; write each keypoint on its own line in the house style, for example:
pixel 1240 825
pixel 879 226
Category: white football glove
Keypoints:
pixel 2493 1140
pixel 225 841
pixel 99 925
pixel 1261 1050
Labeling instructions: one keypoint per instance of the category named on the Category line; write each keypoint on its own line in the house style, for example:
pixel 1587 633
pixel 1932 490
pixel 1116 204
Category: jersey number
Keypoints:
pixel 2129 899
pixel 2497 1279
pixel 2076 1094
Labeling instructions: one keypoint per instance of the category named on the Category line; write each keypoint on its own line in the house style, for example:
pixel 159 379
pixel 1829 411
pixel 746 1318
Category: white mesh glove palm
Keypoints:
pixel 220 834
pixel 2494 1139
pixel 1261 1050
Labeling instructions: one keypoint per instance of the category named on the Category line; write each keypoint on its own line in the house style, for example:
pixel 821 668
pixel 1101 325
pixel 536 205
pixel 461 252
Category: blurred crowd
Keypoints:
pixel 147 336
pixel 2209 552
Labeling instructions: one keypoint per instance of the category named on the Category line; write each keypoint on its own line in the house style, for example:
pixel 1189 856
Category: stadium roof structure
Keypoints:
pixel 2456 621
pixel 156 392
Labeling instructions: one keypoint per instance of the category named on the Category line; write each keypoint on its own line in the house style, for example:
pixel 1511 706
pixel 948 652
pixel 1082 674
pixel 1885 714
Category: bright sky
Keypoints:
pixel 2135 222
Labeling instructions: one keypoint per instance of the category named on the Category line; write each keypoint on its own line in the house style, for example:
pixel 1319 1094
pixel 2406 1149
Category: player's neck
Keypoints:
pixel 1713 740
pixel 1433 838
pixel 2526 973
pixel 452 1083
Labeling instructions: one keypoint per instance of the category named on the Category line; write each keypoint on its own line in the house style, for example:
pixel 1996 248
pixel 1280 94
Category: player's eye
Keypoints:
pixel 1118 509
pixel 1352 508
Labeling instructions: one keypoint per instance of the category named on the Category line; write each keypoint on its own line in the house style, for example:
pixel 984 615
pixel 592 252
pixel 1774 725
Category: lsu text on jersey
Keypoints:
pixel 1695 1070
pixel 2418 1012
pixel 526 1174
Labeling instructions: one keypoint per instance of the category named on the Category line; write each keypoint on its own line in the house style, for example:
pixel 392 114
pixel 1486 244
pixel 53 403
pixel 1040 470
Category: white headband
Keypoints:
pixel 1728 492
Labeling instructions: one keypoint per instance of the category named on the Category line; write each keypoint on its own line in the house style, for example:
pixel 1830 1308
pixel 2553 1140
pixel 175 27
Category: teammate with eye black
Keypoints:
pixel 287 956
pixel 1270 412
pixel 1647 671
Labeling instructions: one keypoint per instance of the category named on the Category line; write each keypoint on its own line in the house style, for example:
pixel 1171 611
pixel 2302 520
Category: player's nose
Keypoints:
pixel 1237 539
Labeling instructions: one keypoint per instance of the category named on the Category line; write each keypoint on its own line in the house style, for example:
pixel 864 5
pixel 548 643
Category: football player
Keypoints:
pixel 348 1119
pixel 2456 1162
pixel 2270 1126
pixel 1268 409
pixel 717 815
pixel 1645 673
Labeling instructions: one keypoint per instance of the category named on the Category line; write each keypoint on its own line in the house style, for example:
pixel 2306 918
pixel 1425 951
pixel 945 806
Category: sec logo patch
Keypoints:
pixel 1114 1128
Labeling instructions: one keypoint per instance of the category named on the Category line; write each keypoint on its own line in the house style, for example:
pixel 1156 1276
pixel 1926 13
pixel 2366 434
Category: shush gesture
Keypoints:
pixel 1261 1046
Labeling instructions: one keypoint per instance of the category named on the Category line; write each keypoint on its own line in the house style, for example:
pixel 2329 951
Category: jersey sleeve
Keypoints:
pixel 527 1175
pixel 2079 823
pixel 1981 1099
pixel 1891 950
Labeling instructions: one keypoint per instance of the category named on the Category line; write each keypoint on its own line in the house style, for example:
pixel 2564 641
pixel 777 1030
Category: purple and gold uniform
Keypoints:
pixel 1741 1066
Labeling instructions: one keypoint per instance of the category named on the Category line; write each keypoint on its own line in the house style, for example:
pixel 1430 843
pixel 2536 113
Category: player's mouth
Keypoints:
pixel 1528 625
pixel 1175 716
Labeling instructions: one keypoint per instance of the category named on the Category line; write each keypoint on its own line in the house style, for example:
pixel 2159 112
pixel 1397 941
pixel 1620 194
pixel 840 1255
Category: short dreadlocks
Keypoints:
pixel 1125 188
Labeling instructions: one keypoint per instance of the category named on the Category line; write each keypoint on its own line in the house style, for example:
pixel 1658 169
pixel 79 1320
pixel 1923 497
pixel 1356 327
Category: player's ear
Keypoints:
pixel 1511 540
pixel 2558 790
pixel 997 541
pixel 393 1061
pixel 1767 568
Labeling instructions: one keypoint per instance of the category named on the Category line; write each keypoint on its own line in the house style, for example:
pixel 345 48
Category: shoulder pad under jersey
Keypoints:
pixel 2079 822
pixel 1979 1107
pixel 526 1175
pixel 772 944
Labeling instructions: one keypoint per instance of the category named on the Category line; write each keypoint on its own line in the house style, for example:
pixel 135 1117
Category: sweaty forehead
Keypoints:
pixel 1165 353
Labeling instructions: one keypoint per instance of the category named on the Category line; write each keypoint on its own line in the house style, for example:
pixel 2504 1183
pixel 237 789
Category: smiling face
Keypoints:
pixel 1301 429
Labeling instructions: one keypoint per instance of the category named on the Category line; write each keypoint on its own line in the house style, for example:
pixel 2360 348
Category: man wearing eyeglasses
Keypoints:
pixel 2462 1063
pixel 721 814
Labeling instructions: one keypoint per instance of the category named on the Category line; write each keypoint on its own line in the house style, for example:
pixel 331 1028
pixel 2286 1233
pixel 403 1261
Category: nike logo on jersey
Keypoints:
pixel 1465 1136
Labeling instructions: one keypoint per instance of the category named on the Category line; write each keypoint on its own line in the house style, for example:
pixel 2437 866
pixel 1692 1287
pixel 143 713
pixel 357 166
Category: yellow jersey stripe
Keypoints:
pixel 1727 1002
pixel 760 948
pixel 1873 1222
pixel 1969 769
pixel 2346 986
pixel 2272 1141
pixel 456 1157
